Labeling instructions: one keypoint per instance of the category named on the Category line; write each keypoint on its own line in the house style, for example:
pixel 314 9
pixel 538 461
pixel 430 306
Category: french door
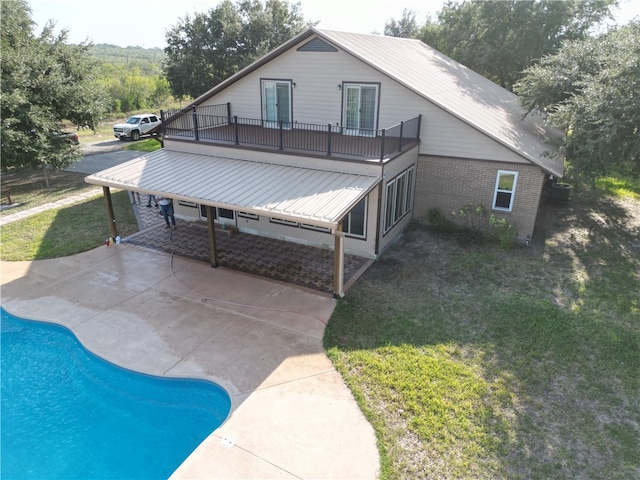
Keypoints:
pixel 276 103
pixel 360 109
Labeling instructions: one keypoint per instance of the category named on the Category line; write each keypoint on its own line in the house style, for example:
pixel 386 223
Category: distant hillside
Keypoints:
pixel 148 61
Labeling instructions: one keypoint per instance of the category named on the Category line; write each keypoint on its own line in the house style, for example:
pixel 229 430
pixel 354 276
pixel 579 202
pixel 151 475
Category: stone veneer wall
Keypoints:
pixel 449 183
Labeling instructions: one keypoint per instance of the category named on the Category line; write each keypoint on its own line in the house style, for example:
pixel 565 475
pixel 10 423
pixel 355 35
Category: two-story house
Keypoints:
pixel 339 139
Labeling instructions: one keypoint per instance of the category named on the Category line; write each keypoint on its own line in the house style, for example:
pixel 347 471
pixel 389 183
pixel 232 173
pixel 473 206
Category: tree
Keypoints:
pixel 44 82
pixel 591 89
pixel 406 27
pixel 500 39
pixel 207 48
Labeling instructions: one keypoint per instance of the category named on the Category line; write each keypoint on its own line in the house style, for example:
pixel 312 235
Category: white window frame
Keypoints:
pixel 497 190
pixel 307 226
pixel 275 122
pixel 251 216
pixel 280 221
pixel 357 129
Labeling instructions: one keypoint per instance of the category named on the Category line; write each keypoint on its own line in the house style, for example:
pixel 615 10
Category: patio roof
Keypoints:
pixel 313 196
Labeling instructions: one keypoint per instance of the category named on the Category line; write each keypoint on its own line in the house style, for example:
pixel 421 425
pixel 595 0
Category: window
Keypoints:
pixel 399 198
pixel 276 103
pixel 360 109
pixel 505 190
pixel 218 213
pixel 251 216
pixel 354 223
pixel 281 221
pixel 307 226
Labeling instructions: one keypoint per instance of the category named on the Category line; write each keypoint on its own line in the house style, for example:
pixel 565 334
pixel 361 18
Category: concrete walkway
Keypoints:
pixel 14 217
pixel 292 415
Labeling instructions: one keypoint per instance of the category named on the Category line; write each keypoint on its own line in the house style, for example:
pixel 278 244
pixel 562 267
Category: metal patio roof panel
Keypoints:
pixel 315 196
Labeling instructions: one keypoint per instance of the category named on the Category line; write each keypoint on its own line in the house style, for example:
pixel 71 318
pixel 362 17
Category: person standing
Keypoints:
pixel 166 208
pixel 152 198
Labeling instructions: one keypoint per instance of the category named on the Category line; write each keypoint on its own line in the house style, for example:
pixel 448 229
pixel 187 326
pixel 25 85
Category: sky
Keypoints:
pixel 139 23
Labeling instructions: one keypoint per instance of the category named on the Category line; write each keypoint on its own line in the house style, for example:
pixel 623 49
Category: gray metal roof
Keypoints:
pixel 300 194
pixel 467 95
pixel 463 93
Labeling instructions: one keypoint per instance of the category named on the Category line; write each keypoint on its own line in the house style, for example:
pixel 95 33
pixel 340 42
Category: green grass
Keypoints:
pixel 475 362
pixel 29 188
pixel 146 145
pixel 620 187
pixel 65 231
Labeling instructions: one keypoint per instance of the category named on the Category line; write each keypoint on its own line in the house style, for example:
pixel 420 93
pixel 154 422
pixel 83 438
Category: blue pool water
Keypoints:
pixel 68 414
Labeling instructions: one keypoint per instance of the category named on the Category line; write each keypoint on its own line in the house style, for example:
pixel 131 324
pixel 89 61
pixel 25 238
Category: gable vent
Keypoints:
pixel 317 45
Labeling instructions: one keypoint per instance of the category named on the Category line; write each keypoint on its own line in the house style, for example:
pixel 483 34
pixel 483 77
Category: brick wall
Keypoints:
pixel 449 183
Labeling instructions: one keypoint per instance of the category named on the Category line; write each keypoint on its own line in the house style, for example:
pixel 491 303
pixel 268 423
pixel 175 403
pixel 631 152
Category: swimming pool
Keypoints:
pixel 66 413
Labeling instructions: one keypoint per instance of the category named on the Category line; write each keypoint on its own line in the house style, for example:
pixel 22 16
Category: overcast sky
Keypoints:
pixel 140 23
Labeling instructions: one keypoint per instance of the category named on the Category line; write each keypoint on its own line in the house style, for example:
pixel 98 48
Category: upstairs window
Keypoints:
pixel 505 190
pixel 360 111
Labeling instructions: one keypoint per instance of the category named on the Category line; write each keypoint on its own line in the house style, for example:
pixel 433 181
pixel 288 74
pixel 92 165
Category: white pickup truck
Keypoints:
pixel 136 126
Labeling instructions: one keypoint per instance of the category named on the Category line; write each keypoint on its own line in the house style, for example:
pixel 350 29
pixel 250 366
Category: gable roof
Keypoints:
pixel 463 93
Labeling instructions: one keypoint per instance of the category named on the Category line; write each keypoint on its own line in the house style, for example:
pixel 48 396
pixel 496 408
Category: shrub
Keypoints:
pixel 477 226
pixel 439 221
pixel 503 232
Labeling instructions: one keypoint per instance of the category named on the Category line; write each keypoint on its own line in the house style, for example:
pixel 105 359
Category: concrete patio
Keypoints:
pixel 292 415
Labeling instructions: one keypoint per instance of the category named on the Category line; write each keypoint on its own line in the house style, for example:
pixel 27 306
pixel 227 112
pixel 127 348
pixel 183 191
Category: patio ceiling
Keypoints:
pixel 313 196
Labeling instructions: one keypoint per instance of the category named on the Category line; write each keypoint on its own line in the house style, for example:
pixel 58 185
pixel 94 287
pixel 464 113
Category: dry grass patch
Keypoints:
pixel 475 362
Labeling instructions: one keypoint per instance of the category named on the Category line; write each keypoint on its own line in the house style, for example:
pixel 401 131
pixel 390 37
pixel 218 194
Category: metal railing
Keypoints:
pixel 215 124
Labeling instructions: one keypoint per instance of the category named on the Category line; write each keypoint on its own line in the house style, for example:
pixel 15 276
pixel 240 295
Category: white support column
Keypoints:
pixel 338 263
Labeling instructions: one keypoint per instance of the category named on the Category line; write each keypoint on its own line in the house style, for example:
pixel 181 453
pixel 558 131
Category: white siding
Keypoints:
pixel 316 99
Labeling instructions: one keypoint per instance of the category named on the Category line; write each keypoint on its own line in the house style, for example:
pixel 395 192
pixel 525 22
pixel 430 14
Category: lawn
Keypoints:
pixel 476 362
pixel 62 231
pixel 29 188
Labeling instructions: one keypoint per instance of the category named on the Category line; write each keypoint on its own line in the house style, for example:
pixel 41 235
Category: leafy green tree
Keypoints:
pixel 406 27
pixel 591 89
pixel 45 81
pixel 207 48
pixel 500 39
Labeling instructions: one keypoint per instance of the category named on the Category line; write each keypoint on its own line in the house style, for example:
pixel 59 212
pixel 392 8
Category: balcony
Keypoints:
pixel 214 124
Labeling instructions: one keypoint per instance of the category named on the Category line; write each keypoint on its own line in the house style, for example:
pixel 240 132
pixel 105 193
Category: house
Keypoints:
pixel 338 140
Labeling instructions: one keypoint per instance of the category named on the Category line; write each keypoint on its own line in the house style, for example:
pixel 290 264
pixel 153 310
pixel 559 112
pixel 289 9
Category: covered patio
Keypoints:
pixel 316 197
pixel 290 263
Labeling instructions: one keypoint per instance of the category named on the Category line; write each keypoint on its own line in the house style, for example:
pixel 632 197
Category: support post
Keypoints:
pixel 338 263
pixel 329 140
pixel 110 216
pixel 235 129
pixel 280 135
pixel 401 132
pixel 384 133
pixel 195 124
pixel 213 249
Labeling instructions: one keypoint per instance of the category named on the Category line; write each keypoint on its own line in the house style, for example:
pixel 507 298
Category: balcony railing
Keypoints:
pixel 215 124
